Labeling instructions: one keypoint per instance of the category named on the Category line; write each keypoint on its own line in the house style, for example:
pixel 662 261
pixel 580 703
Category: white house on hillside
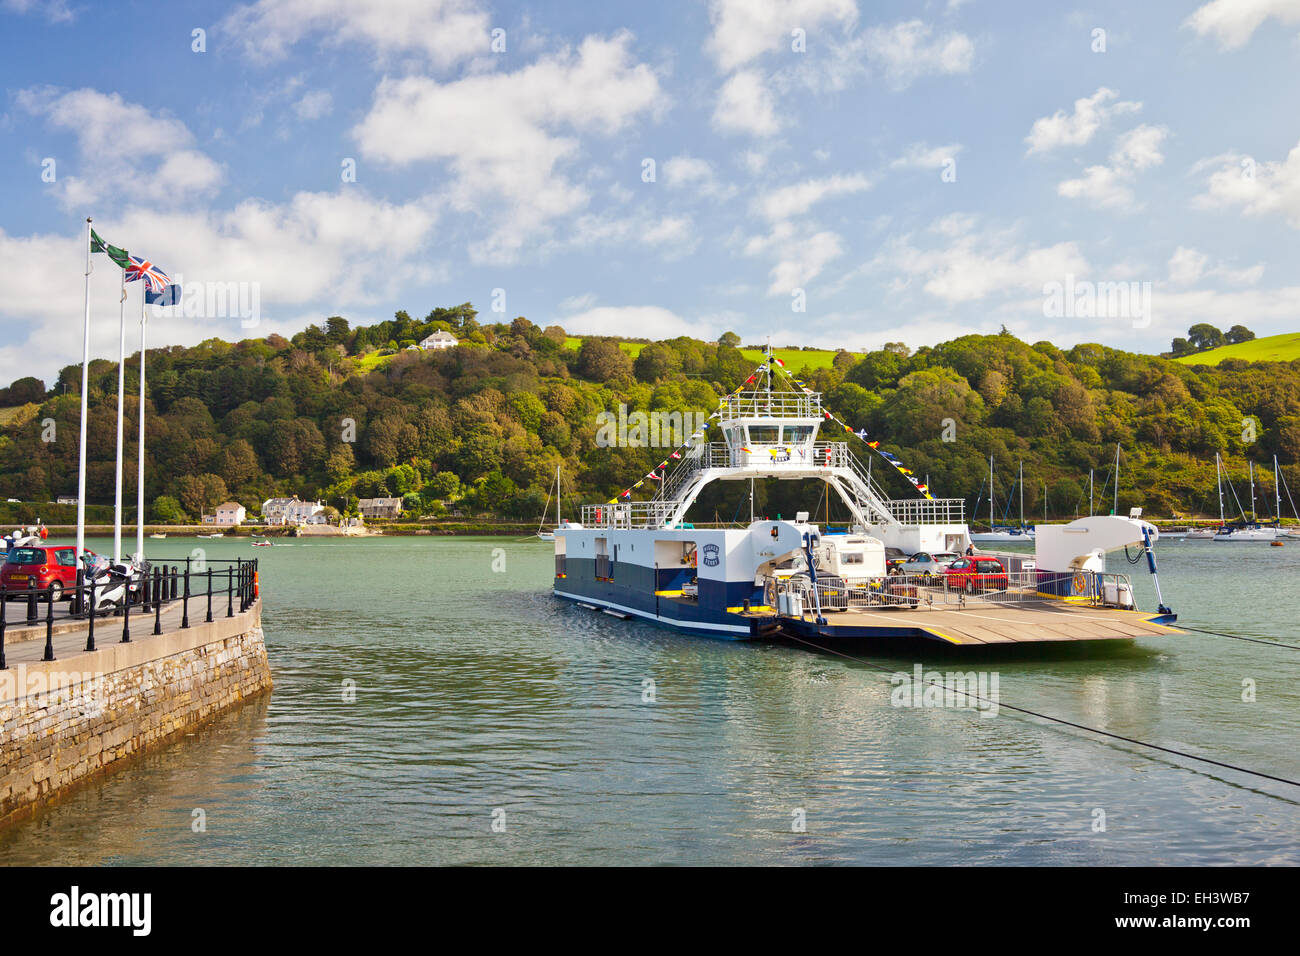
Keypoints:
pixel 292 511
pixel 230 513
pixel 439 340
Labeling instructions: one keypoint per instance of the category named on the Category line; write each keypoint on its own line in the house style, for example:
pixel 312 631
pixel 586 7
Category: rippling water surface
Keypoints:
pixel 477 693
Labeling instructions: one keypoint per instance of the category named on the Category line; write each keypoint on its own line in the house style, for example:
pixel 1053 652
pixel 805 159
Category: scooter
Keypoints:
pixel 113 583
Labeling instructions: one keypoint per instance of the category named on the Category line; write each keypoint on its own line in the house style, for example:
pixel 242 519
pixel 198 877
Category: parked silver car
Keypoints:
pixel 928 562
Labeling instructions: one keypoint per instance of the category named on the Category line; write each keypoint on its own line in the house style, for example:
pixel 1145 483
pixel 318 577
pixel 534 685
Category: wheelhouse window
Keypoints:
pixel 797 434
pixel 764 434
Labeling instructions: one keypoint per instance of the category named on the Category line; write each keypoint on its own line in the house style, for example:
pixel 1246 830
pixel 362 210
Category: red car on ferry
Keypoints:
pixel 976 573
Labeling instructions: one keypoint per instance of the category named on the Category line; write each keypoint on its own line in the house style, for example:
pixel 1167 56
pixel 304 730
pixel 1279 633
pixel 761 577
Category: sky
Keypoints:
pixel 824 172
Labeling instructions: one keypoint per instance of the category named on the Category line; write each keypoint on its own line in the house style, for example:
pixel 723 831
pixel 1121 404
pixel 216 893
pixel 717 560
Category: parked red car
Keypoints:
pixel 42 566
pixel 976 574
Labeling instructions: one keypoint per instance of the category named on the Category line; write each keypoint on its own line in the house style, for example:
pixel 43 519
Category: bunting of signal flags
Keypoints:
pixel 902 469
pixel 699 433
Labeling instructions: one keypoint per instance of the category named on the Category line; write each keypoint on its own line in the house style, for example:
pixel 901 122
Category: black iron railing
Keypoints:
pixel 149 590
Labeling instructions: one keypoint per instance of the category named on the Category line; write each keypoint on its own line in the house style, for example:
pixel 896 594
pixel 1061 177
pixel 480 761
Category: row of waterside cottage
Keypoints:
pixel 293 511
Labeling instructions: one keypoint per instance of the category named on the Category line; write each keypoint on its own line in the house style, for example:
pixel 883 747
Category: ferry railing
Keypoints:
pixel 762 404
pixel 923 591
pixel 1111 589
pixel 149 591
pixel 927 510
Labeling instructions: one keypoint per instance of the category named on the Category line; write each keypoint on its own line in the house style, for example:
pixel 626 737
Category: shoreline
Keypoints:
pixel 423 529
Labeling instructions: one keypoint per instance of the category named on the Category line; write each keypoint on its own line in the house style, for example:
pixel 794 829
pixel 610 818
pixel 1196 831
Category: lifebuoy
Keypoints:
pixel 1079 583
pixel 769 593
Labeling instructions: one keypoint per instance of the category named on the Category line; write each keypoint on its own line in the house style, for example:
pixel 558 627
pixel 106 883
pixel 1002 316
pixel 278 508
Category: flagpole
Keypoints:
pixel 139 483
pixel 121 390
pixel 85 388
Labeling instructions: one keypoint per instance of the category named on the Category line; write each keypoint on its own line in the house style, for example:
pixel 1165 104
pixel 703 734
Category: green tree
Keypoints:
pixel 199 494
pixel 1238 333
pixel 167 510
pixel 1204 336
pixel 602 360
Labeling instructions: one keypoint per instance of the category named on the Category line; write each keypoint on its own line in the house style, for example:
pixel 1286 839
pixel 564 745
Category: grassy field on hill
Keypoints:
pixel 1271 348
pixel 794 359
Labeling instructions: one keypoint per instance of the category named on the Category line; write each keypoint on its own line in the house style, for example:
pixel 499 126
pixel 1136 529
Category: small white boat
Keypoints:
pixel 1202 533
pixel 1250 532
pixel 1005 535
pixel 158 535
pixel 217 535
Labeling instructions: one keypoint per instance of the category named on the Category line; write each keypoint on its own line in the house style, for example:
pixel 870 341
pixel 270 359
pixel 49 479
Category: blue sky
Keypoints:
pixel 780 174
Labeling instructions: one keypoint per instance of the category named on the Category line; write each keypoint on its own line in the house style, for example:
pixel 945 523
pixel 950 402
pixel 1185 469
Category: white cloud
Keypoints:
pixel 123 148
pixel 745 105
pixel 314 105
pixel 1234 22
pixel 799 198
pixel 1077 128
pixel 976 266
pixel 923 156
pixel 801 254
pixel 1102 185
pixel 445 31
pixel 1139 148
pixel 954 224
pixel 691 172
pixel 501 132
pixel 745 29
pixel 1188 265
pixel 686 170
pixel 56 11
pixel 1111 186
pixel 317 247
pixel 906 52
pixel 1258 189
pixel 640 321
pixel 672 236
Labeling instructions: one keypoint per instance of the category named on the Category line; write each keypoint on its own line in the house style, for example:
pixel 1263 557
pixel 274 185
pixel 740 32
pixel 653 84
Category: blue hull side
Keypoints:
pixel 632 591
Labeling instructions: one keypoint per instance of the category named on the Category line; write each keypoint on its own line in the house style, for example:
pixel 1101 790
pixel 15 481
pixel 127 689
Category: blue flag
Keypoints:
pixel 171 295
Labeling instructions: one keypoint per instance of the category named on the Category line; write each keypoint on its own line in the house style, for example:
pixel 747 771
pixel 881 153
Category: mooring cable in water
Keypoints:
pixel 1239 637
pixel 1069 723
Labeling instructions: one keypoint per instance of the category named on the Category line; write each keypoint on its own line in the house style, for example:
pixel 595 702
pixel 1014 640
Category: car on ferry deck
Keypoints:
pixel 978 573
pixel 928 563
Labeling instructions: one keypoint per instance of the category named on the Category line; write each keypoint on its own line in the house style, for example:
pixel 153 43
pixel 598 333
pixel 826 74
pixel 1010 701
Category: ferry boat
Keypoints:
pixel 644 559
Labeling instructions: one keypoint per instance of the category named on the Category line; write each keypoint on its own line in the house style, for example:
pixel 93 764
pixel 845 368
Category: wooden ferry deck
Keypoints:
pixel 1024 622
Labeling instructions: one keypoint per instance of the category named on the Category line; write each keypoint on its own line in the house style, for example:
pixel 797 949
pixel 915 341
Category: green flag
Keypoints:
pixel 119 256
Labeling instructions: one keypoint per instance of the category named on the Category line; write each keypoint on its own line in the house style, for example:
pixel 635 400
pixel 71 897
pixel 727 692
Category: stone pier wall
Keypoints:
pixel 65 721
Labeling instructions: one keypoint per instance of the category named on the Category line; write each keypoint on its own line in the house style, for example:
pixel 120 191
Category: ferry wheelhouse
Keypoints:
pixel 644 559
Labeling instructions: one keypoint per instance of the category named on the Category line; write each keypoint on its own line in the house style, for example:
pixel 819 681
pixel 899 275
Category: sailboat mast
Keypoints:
pixel 1089 492
pixel 1218 480
pixel 990 492
pixel 1251 469
pixel 557 496
pixel 1115 508
pixel 1277 492
pixel 1022 493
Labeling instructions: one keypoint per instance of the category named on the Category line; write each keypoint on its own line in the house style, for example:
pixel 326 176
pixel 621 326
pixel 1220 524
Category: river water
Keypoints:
pixel 433 704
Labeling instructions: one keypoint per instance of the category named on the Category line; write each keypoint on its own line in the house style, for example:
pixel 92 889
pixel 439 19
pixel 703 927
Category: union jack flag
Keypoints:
pixel 154 278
